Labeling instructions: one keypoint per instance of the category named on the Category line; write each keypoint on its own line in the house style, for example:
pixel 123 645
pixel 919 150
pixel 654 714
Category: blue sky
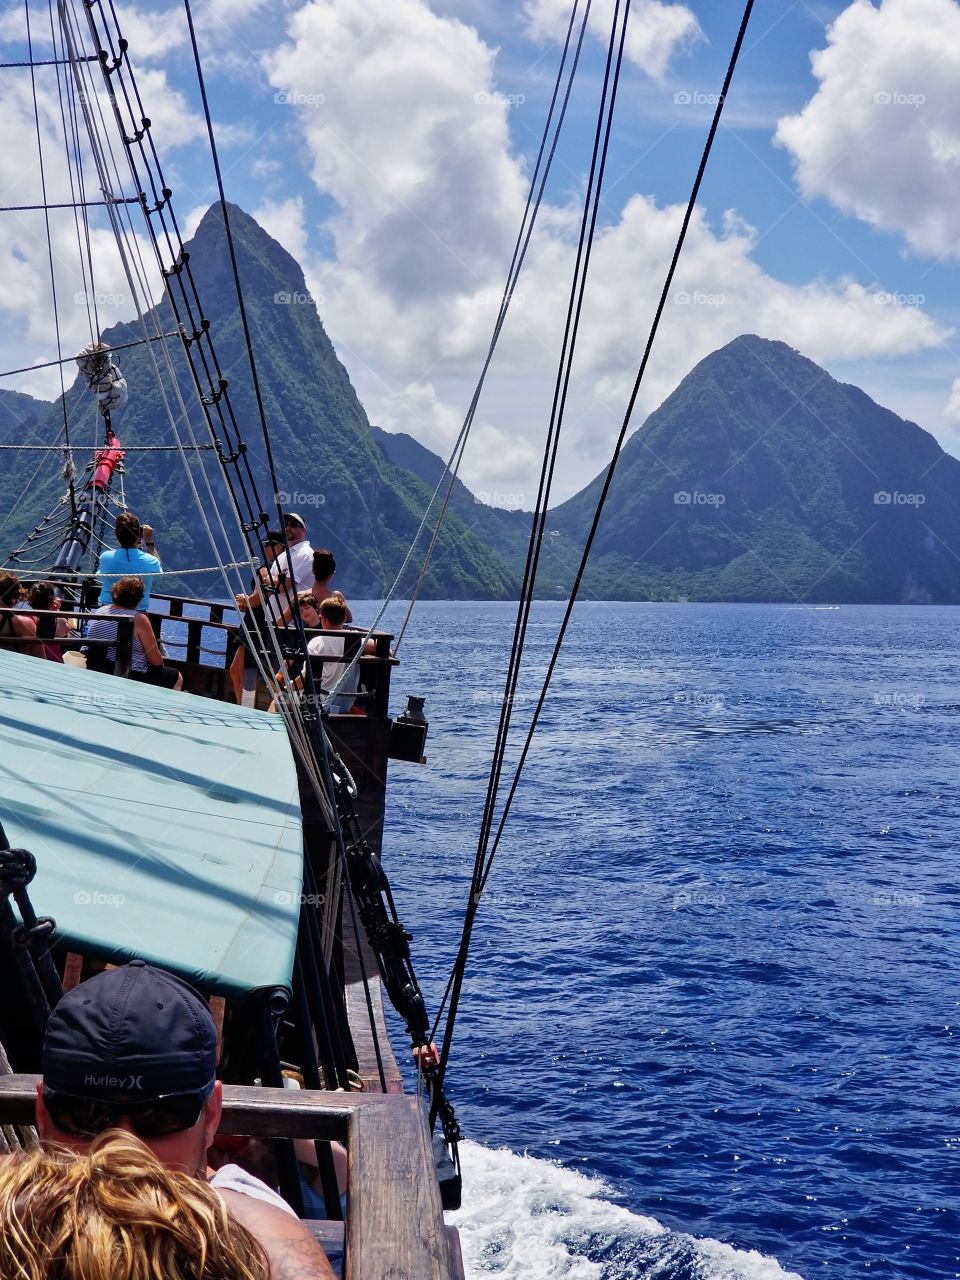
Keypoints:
pixel 387 144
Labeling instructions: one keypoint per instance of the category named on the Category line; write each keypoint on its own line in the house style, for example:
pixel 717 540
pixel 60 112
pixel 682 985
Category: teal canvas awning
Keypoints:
pixel 165 826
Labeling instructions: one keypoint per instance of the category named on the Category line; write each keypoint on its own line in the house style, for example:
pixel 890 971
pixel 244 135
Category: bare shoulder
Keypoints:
pixel 291 1250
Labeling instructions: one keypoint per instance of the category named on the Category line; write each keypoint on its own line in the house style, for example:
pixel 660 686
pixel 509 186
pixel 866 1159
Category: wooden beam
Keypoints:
pixel 395 1225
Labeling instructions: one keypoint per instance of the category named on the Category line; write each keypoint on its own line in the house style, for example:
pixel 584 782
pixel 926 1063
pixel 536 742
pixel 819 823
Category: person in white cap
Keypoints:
pixel 300 550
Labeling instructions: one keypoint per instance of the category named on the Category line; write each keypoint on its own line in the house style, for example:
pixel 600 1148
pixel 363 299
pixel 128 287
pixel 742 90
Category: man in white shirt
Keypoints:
pixel 300 550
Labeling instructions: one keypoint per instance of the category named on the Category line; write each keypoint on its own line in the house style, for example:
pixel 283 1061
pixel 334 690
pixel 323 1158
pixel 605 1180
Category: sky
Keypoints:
pixel 388 145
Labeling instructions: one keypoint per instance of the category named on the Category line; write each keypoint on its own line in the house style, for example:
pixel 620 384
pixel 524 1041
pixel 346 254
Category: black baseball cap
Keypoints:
pixel 130 1034
pixel 277 537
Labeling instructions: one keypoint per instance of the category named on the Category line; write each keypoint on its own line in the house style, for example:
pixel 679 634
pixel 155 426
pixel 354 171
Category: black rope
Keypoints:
pixel 127 448
pixel 197 342
pixel 120 346
pixel 614 61
pixel 48 62
pixel 69 204
pixel 455 983
pixel 261 411
pixel 53 277
pixel 513 274
pixel 71 138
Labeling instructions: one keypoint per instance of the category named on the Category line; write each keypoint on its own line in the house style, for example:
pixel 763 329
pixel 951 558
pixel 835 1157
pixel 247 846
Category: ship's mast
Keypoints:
pixel 103 377
pixel 89 506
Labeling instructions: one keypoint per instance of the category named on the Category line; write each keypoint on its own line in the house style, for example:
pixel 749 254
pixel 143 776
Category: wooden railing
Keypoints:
pixel 203 651
pixel 46 622
pixel 394 1216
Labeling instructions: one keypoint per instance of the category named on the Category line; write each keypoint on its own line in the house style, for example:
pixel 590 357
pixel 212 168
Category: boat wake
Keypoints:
pixel 530 1218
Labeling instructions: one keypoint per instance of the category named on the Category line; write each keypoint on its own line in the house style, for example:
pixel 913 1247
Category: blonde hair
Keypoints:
pixel 117 1213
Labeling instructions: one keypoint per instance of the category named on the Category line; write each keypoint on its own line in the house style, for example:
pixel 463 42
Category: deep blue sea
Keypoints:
pixel 710 1027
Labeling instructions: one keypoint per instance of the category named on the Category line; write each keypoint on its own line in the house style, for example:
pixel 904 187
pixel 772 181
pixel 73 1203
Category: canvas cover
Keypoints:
pixel 165 826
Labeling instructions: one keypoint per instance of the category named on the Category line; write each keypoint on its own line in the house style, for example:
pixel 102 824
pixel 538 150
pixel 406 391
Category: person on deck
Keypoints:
pixel 264 602
pixel 44 598
pixel 15 625
pixel 324 567
pixel 116 1213
pixel 301 552
pixel 135 1048
pixel 146 658
pixel 334 613
pixel 128 558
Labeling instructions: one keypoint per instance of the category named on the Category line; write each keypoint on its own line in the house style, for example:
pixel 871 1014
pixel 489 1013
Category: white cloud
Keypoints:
pixel 26 292
pixel 880 138
pixel 656 32
pixel 951 410
pixel 406 132
pixel 152 34
pixel 284 220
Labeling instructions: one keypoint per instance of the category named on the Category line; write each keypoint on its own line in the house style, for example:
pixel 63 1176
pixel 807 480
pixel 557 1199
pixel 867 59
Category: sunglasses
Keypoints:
pixel 86 1117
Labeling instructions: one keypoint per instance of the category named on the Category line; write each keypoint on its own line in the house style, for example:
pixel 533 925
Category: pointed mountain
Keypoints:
pixel 328 466
pixel 763 478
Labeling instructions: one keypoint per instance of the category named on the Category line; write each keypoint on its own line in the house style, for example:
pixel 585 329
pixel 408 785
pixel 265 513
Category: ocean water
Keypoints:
pixel 710 1026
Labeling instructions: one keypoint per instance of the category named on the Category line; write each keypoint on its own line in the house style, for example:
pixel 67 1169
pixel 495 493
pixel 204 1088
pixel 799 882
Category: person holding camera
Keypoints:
pixel 136 556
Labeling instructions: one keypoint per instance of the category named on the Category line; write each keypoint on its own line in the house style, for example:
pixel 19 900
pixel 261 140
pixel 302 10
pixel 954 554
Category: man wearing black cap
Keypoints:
pixel 135 1048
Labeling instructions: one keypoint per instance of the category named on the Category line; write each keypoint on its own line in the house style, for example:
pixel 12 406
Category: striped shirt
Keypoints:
pixel 104 628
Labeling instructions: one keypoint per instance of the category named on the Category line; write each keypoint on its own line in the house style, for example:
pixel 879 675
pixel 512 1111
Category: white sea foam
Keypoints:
pixel 529 1219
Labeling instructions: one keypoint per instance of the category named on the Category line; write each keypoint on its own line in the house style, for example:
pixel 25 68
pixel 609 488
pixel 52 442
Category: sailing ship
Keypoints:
pixel 238 848
pixel 198 831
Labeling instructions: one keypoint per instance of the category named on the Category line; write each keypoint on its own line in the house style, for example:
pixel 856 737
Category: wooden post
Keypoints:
pixel 124 646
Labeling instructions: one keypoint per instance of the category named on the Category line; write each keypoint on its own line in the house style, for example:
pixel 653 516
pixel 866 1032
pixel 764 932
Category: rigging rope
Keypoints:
pixel 605 112
pixel 46 218
pixel 120 346
pixel 513 274
pixel 486 852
